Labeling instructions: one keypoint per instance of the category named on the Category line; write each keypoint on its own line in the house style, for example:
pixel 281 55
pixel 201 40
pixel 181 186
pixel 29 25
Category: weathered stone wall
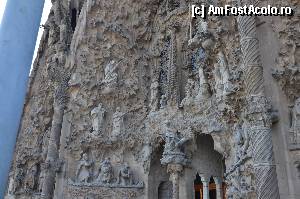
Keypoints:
pixel 122 93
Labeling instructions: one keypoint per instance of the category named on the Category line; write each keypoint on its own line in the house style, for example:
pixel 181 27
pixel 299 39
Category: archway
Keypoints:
pixel 165 190
pixel 207 170
pixel 159 186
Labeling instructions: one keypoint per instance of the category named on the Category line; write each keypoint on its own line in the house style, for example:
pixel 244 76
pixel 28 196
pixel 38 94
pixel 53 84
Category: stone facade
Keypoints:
pixel 135 99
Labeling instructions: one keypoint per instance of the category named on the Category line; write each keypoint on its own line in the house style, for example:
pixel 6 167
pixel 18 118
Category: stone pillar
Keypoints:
pixel 18 33
pixel 205 182
pixel 257 111
pixel 52 161
pixel 219 188
pixel 174 171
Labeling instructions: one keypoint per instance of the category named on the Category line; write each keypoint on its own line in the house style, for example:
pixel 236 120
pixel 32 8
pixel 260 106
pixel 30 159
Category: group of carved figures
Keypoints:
pixel 201 45
pixel 105 174
pixel 98 118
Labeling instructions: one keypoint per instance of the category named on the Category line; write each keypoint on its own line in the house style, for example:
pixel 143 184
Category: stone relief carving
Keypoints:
pixel 106 175
pixel 203 84
pixel 188 93
pixel 125 177
pixel 118 124
pixel 83 173
pixel 30 180
pixel 203 36
pixel 19 178
pixel 98 117
pixel 111 76
pixel 241 141
pixel 108 38
pixel 239 183
pixel 163 102
pixel 295 128
pixel 105 172
pixel 154 95
pixel 145 156
pixel 174 142
pixel 223 85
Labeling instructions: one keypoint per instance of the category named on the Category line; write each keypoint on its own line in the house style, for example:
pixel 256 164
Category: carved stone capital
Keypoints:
pixel 174 168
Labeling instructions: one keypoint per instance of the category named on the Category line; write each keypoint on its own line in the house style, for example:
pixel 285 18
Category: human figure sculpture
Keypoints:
pixel 83 172
pixel 105 172
pixel 222 77
pixel 125 176
pixel 295 128
pixel 173 150
pixel 203 37
pixel 118 123
pixel 241 141
pixel 203 85
pixel 98 114
pixel 111 75
pixel 188 93
pixel 163 101
pixel 30 179
pixel 154 95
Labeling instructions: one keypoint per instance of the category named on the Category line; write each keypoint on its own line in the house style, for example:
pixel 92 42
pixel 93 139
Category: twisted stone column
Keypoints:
pixel 258 112
pixel 174 171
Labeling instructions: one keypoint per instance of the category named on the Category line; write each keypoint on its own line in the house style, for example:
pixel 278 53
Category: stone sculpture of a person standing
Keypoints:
pixel 105 172
pixel 118 123
pixel 125 176
pixel 295 129
pixel 83 172
pixel 98 114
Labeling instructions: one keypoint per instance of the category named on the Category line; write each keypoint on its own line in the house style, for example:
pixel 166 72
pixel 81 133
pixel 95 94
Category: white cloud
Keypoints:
pixel 2 7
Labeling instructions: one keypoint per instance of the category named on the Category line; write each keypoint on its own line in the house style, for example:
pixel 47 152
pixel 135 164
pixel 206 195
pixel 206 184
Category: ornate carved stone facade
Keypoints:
pixel 135 99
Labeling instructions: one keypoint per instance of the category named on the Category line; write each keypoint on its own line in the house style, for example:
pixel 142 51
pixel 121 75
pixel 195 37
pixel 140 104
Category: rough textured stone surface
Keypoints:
pixel 133 99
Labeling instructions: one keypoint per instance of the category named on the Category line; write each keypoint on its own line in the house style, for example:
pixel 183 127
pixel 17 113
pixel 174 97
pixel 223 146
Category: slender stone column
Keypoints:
pixel 219 190
pixel 205 182
pixel 52 162
pixel 258 111
pixel 174 171
pixel 18 33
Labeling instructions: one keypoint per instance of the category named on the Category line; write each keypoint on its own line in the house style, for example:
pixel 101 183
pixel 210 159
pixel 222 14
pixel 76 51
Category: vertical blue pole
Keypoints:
pixel 18 33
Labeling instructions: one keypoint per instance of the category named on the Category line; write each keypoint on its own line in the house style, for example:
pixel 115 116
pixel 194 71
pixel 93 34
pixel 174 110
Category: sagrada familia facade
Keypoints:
pixel 135 99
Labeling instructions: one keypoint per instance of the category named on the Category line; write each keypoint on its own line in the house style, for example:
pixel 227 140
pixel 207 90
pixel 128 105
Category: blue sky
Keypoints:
pixel 46 11
pixel 2 7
